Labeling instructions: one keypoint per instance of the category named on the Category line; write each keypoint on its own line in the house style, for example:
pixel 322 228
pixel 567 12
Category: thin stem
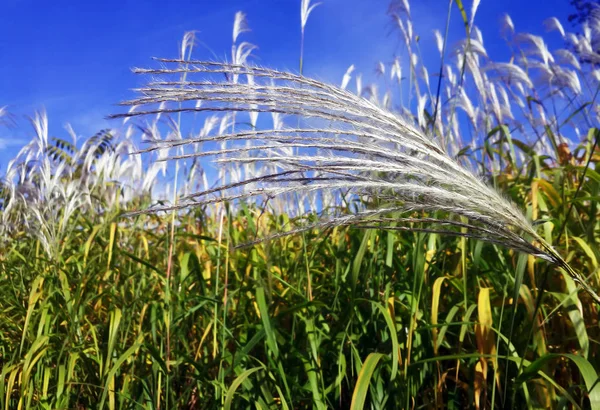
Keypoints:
pixel 301 51
pixel 439 86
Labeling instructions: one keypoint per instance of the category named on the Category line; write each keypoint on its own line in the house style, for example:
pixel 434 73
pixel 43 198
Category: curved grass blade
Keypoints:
pixel 589 375
pixel 364 379
pixel 393 337
pixel 236 383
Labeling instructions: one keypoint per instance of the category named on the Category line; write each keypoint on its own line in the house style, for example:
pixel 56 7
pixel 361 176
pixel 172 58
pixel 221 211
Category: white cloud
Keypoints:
pixel 10 142
pixel 89 122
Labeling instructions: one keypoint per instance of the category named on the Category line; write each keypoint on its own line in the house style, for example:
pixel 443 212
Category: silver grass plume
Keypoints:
pixel 354 147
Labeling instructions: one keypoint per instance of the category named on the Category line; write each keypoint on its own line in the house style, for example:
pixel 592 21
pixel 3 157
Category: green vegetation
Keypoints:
pixel 427 305
pixel 300 321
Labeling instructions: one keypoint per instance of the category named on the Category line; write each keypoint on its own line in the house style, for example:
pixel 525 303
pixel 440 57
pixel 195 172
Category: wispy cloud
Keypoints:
pixel 11 142
pixel 90 122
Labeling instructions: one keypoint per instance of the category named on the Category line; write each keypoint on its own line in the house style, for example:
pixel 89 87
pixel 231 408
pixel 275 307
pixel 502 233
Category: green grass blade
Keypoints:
pixel 266 321
pixel 586 370
pixel 393 337
pixel 364 379
pixel 236 383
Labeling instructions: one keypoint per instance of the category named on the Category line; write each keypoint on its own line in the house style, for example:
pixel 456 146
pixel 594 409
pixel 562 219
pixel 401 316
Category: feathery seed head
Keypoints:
pixel 364 150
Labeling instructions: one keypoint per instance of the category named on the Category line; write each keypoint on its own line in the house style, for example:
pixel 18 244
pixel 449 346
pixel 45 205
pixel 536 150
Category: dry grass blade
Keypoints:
pixel 364 150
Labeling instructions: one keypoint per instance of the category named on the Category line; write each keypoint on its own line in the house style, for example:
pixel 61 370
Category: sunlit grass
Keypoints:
pixel 104 308
pixel 432 311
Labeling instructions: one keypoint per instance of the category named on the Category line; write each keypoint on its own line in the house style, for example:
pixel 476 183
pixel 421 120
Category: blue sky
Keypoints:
pixel 73 58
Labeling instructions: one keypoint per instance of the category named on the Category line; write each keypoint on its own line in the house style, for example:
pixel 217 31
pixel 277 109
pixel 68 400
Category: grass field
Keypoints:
pixel 100 308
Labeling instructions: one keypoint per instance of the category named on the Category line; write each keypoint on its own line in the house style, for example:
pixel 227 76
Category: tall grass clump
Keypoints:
pixel 364 151
pixel 309 246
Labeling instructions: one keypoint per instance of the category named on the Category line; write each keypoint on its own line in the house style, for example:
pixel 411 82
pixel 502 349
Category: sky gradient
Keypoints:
pixel 74 58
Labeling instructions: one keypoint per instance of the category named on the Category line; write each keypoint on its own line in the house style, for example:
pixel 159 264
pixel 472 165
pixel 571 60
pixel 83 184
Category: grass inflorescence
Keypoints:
pixel 346 255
